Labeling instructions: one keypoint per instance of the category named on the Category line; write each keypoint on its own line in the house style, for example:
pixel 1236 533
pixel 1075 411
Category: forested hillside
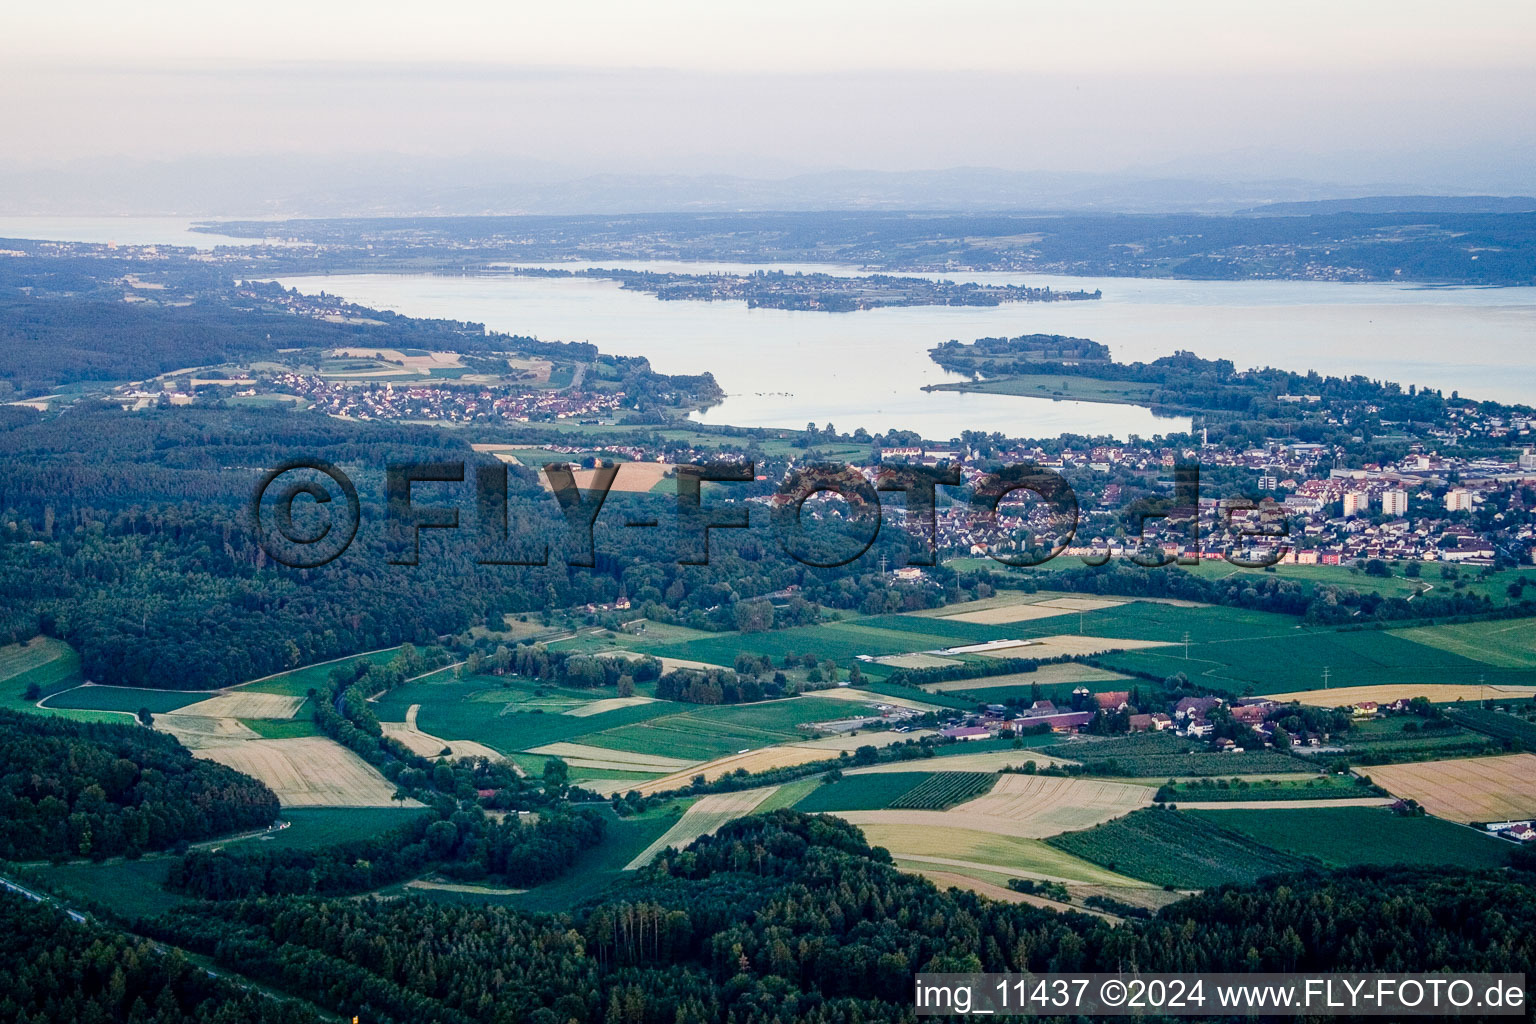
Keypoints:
pixel 787 918
pixel 54 969
pixel 94 790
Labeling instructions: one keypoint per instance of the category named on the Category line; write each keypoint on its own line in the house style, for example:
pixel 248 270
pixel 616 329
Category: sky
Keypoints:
pixel 1407 92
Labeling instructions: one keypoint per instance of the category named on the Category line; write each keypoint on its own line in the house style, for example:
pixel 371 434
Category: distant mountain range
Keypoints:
pixel 1401 204
pixel 282 187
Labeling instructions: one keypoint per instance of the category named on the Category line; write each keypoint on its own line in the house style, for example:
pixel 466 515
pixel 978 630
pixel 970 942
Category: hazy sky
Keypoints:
pixel 1361 90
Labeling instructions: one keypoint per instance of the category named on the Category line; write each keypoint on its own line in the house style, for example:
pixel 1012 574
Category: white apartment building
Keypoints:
pixel 1458 500
pixel 1394 503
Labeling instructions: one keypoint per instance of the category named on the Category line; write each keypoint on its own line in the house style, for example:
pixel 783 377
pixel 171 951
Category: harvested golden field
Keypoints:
pixel 1081 604
pixel 1071 643
pixel 1024 806
pixel 851 741
pixel 1004 614
pixel 1466 790
pixel 394 355
pixel 243 704
pixel 706 815
pixel 597 707
pixel 853 694
pixel 308 772
pixel 951 880
pixel 989 761
pixel 632 477
pixel 585 756
pixel 1046 675
pixel 1438 693
pixel 971 852
pixel 752 761
pixel 196 732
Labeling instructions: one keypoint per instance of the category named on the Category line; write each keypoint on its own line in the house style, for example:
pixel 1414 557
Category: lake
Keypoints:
pixel 785 368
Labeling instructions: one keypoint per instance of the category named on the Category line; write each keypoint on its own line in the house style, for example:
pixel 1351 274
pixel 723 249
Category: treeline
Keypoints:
pixel 713 686
pixel 85 789
pixel 789 917
pixel 1322 604
pixel 56 969
pixel 463 846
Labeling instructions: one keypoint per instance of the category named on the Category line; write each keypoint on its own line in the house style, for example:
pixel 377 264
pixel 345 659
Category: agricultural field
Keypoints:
pixel 426 745
pixel 704 732
pixel 988 856
pixel 505 718
pixel 1497 724
pixel 311 827
pixel 706 815
pixel 1466 790
pixel 1163 755
pixel 1050 678
pixel 942 790
pixel 51 665
pixel 861 792
pixel 1384 741
pixel 280 729
pixel 894 698
pixel 1166 847
pixel 311 772
pixel 1505 643
pixel 751 762
pixel 1435 693
pixel 1023 806
pixel 1318 787
pixel 121 698
pixel 244 704
pixel 1347 836
pixel 1293 660
pixel 297 682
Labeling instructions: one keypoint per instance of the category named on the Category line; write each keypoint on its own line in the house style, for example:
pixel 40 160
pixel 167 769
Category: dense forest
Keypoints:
pixel 83 789
pixel 54 969
pixel 786 918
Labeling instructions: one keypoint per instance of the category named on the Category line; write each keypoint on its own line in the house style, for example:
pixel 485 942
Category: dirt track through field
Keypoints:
pixel 427 745
pixel 706 816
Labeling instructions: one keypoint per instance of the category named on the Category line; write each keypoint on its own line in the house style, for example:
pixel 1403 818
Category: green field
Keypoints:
pixel 299 681
pixel 310 827
pixel 132 888
pixel 122 698
pixel 282 728
pixel 1056 388
pixel 871 792
pixel 703 733
pixel 1345 836
pixel 1496 724
pixel 945 789
pixel 51 664
pixel 1175 848
pixel 1505 643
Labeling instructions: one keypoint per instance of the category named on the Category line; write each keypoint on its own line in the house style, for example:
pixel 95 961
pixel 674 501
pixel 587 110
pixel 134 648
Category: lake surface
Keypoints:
pixel 787 368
